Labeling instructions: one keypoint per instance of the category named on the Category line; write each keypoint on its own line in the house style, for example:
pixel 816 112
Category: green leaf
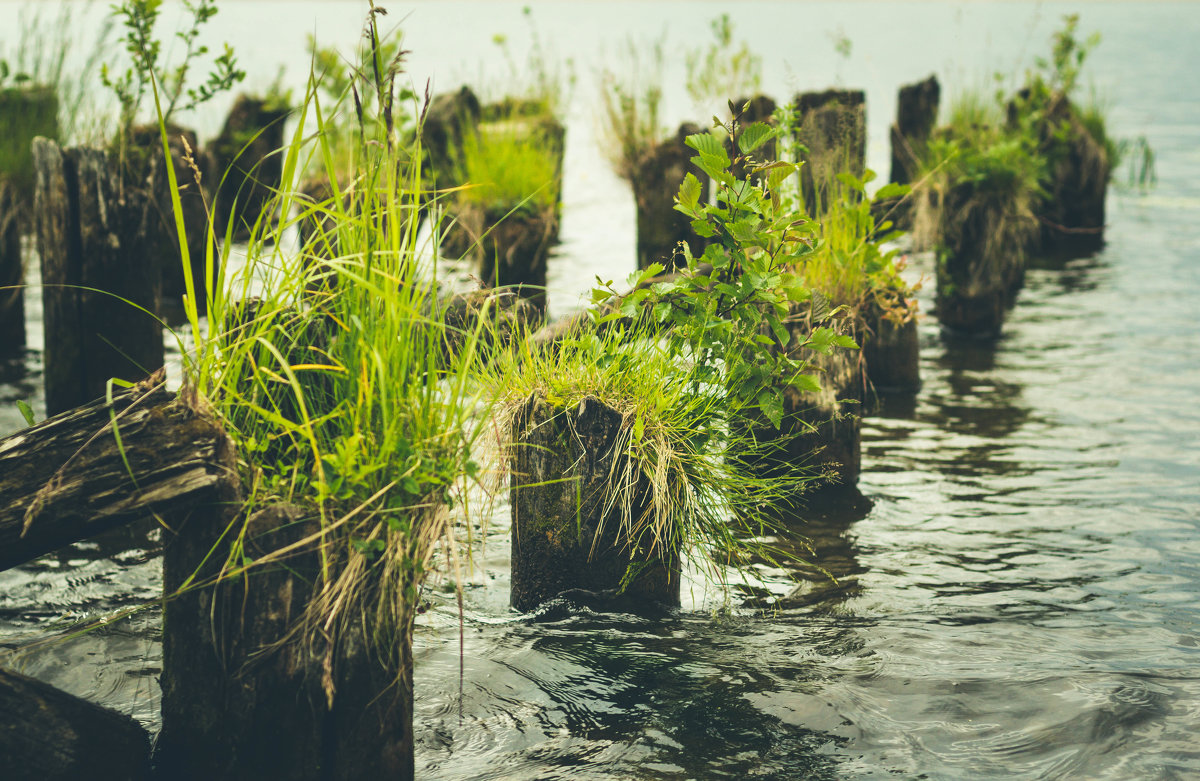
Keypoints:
pixel 892 191
pixel 841 340
pixel 770 401
pixel 778 172
pixel 807 383
pixel 755 136
pixel 706 144
pixel 689 191
pixel 26 412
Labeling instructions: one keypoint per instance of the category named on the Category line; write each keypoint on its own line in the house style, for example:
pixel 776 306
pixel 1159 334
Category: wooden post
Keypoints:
pixel 821 431
pixel 891 352
pixel 12 275
pixel 833 126
pixel 451 118
pixel 916 114
pixel 244 164
pixel 246 695
pixel 49 735
pixel 565 535
pixel 89 235
pixel 1072 211
pixel 157 236
pixel 978 276
pixel 69 477
pixel 656 180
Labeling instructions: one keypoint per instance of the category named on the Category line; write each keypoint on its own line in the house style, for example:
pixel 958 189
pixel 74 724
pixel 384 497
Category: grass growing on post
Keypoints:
pixel 507 168
pixel 330 374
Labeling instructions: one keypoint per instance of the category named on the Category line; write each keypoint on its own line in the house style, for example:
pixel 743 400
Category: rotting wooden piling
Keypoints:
pixel 100 286
pixel 567 529
pixel 49 735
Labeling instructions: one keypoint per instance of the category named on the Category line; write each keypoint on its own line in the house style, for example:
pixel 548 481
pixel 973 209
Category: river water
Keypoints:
pixel 1020 581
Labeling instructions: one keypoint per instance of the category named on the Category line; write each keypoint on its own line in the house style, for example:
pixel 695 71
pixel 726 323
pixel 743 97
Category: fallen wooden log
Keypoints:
pixel 78 473
pixel 49 735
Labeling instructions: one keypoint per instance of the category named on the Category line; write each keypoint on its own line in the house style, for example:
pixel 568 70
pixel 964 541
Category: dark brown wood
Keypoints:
pixel 67 478
pixel 49 735
pixel 244 694
pixel 891 352
pixel 244 164
pixel 451 118
pixel 12 275
pixel 156 236
pixel 978 275
pixel 566 535
pixel 916 115
pixel 832 125
pixel 655 180
pixel 90 229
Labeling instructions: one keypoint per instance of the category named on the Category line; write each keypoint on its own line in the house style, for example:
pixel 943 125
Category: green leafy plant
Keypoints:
pixel 722 72
pixel 147 65
pixel 735 300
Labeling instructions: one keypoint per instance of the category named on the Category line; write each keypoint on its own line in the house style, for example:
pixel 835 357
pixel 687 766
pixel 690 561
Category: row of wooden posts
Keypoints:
pixel 229 709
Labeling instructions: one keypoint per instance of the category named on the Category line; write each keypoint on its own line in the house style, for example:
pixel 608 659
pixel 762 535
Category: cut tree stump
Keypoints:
pixel 49 735
pixel 67 478
pixel 91 234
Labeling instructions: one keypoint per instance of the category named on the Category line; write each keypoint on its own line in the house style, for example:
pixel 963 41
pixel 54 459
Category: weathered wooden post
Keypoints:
pixel 916 115
pixel 980 259
pixel 12 275
pixel 891 352
pixel 833 126
pixel 244 164
pixel 100 284
pixel 147 186
pixel 241 677
pixel 49 735
pixel 567 527
pixel 451 118
pixel 655 181
pixel 508 235
pixel 1071 211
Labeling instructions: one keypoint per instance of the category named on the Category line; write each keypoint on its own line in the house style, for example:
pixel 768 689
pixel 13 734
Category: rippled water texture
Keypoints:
pixel 1019 585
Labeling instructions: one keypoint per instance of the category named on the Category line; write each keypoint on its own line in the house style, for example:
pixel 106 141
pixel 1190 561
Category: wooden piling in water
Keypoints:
pixel 567 532
pixel 49 735
pixel 244 167
pixel 833 126
pixel 655 182
pixel 12 275
pixel 247 694
pixel 100 285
